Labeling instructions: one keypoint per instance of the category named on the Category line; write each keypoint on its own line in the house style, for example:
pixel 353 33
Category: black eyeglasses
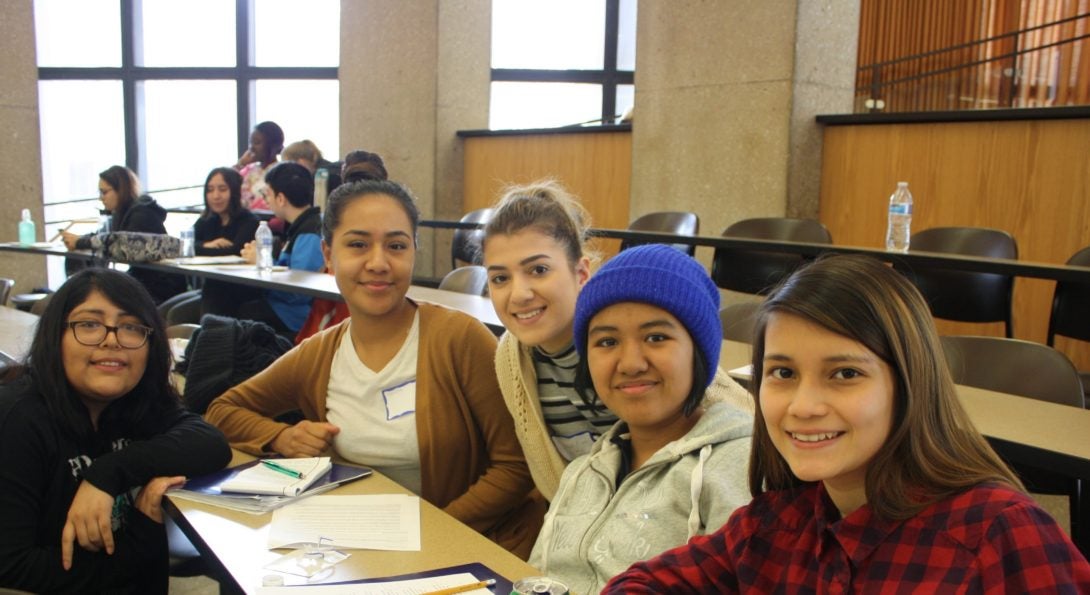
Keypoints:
pixel 92 333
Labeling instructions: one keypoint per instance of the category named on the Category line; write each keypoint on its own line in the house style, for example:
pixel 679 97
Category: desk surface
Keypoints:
pixel 305 282
pixel 1022 429
pixel 16 331
pixel 238 541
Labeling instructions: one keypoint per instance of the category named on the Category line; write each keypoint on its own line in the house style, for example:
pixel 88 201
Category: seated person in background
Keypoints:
pixel 289 189
pixel 307 154
pixel 359 165
pixel 225 226
pixel 223 229
pixel 406 388
pixel 119 190
pixel 266 142
pixel 326 313
pixel 648 334
pixel 866 472
pixel 92 433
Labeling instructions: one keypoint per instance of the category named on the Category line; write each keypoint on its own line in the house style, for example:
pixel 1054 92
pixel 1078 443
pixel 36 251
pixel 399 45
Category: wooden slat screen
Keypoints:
pixel 1051 76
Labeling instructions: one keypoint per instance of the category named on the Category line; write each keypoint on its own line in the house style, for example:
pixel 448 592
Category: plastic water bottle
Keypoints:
pixel 321 187
pixel 264 239
pixel 899 229
pixel 188 248
pixel 26 229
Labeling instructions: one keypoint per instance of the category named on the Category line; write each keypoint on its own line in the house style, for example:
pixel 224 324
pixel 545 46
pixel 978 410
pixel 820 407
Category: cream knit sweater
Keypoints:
pixel 518 383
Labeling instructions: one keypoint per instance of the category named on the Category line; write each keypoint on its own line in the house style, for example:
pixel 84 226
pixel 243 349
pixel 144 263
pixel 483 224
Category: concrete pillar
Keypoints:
pixel 412 73
pixel 20 147
pixel 726 91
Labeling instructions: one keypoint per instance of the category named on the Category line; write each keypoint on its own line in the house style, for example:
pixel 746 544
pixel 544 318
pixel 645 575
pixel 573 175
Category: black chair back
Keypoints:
pixel 465 247
pixel 758 271
pixel 681 223
pixel 738 321
pixel 960 295
pixel 1071 305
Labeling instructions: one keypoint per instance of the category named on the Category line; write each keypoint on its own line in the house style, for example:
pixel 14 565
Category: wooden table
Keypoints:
pixel 236 541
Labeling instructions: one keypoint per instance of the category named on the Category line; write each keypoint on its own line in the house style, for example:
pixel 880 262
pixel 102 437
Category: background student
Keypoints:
pixel 224 228
pixel 866 473
pixel 119 190
pixel 648 334
pixel 405 387
pixel 92 433
pixel 289 188
pixel 266 142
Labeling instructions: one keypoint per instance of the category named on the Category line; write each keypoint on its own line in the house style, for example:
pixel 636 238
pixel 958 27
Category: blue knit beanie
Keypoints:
pixel 661 276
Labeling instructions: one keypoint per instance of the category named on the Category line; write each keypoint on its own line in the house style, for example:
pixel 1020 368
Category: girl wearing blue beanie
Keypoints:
pixel 647 331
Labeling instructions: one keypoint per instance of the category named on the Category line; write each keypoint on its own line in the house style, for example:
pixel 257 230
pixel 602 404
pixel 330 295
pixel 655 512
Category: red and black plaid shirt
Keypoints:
pixel 990 539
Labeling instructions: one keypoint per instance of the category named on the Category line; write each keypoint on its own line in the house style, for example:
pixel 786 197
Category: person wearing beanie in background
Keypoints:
pixel 676 464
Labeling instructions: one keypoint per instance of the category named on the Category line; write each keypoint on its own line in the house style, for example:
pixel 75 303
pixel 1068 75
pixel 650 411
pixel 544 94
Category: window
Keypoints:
pixel 173 89
pixel 578 66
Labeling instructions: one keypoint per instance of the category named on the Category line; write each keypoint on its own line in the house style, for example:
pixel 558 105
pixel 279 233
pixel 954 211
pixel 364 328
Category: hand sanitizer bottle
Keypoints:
pixel 26 229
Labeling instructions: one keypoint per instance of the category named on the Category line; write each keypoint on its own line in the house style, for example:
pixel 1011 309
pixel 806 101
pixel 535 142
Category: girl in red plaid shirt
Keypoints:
pixel 867 474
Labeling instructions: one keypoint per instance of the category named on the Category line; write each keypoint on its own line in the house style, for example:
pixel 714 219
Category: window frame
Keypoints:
pixel 609 77
pixel 245 75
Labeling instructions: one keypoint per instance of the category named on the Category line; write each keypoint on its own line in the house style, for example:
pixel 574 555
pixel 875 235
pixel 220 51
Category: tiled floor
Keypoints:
pixel 193 585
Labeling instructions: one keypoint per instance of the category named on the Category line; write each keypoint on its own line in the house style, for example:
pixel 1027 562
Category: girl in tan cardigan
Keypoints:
pixel 404 387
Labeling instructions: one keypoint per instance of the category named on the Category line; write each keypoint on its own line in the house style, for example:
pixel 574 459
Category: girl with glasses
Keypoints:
pixel 92 433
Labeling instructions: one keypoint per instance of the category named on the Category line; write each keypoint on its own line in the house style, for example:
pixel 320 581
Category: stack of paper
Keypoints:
pixel 209 488
pixel 278 477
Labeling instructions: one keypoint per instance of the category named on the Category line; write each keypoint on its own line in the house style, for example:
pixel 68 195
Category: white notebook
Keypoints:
pixel 268 481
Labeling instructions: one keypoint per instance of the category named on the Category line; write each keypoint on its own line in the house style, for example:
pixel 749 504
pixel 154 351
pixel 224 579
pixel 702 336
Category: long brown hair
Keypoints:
pixel 933 450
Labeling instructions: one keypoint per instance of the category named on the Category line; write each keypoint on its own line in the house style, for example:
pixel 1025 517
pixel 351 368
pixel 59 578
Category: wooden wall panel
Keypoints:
pixel 596 167
pixel 1030 178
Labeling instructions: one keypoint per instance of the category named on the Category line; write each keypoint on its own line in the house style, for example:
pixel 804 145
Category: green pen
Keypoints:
pixel 281 469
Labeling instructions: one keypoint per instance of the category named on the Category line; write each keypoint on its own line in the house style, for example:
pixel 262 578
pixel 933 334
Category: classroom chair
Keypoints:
pixel 1026 369
pixel 758 271
pixel 465 246
pixel 679 223
pixel 738 321
pixel 959 295
pixel 1071 310
pixel 5 290
pixel 472 279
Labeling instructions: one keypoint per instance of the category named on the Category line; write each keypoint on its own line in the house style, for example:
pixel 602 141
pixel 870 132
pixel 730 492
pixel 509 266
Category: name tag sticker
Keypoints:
pixel 400 400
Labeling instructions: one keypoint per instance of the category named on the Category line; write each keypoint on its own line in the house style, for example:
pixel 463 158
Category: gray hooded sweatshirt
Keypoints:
pixel 595 530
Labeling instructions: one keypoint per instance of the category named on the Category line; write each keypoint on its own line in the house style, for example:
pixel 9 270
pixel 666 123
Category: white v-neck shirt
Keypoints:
pixel 376 411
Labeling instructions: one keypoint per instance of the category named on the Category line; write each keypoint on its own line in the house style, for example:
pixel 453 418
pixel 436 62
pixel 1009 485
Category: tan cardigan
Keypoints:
pixel 518 382
pixel 470 461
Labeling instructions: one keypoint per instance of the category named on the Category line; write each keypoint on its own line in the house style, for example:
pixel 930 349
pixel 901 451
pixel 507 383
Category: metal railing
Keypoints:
pixel 963 79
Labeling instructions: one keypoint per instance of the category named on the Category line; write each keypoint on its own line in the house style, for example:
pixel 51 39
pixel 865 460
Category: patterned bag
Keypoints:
pixel 135 246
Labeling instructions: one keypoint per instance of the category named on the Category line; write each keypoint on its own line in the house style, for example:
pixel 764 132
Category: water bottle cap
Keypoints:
pixel 26 214
pixel 902 184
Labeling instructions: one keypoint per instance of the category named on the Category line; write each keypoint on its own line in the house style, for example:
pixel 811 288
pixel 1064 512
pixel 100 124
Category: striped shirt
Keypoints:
pixel 574 426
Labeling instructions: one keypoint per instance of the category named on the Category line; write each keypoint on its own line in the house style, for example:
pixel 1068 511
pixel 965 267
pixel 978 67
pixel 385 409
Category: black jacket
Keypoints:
pixel 41 466
pixel 240 229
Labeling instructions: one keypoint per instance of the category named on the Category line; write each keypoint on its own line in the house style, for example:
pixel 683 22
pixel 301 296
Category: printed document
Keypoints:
pixel 374 522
